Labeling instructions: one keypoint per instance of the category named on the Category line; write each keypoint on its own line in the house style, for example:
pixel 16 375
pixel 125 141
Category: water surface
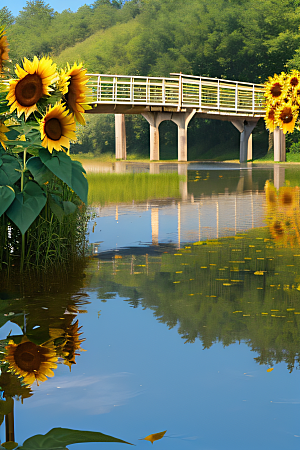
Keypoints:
pixel 186 303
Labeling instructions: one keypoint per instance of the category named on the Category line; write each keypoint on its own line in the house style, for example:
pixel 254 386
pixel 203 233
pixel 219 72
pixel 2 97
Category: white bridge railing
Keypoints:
pixel 179 91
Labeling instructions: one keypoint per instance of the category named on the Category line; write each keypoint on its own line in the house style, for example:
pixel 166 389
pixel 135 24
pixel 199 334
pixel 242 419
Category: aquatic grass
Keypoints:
pixel 50 241
pixel 118 188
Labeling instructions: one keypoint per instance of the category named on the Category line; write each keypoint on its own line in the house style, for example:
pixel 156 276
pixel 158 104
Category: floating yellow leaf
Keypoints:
pixel 154 437
pixel 270 370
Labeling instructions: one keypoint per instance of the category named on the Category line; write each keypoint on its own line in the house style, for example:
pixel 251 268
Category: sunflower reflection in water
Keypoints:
pixel 68 343
pixel 33 362
pixel 30 361
pixel 283 214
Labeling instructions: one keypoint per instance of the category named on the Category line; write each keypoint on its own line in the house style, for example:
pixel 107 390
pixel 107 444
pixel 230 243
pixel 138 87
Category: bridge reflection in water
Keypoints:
pixel 196 216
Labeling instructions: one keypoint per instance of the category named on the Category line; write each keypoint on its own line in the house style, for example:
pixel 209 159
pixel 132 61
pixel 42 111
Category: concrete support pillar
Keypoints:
pixel 182 120
pixel 279 176
pixel 154 119
pixel 279 145
pixel 245 128
pixel 120 136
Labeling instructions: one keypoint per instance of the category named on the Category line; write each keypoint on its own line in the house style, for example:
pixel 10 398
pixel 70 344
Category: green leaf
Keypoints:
pixel 71 172
pixel 12 134
pixel 59 438
pixel 79 182
pixel 56 206
pixel 26 206
pixel 61 208
pixel 7 195
pixel 59 163
pixel 69 207
pixel 39 171
pixel 9 166
pixel 16 143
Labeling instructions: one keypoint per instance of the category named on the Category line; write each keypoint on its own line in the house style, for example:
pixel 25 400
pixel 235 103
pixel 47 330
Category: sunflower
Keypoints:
pixel 72 84
pixel 277 229
pixel 33 83
pixel 57 128
pixel 72 344
pixel 274 88
pixel 293 80
pixel 286 116
pixel 270 118
pixel 3 49
pixel 271 194
pixel 288 197
pixel 30 361
pixel 3 130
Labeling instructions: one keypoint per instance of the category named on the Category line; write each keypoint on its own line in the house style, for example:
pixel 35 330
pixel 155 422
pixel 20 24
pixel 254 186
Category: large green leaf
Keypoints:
pixel 71 172
pixel 9 167
pixel 59 163
pixel 40 172
pixel 26 206
pixel 7 195
pixel 59 438
pixel 79 182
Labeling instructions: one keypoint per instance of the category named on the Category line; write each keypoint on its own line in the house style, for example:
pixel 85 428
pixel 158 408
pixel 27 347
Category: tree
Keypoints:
pixel 6 17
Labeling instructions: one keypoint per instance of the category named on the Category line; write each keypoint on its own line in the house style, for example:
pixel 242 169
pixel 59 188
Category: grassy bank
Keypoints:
pixel 107 188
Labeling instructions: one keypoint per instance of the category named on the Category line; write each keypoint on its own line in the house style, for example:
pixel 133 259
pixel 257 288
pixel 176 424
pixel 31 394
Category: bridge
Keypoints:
pixel 179 98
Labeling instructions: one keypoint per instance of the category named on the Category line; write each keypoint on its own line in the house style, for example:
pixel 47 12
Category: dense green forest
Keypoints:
pixel 234 39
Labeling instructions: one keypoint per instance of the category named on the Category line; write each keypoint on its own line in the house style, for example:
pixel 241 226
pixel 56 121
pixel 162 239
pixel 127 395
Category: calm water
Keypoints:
pixel 186 303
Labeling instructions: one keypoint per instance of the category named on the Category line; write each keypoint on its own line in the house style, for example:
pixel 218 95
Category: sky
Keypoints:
pixel 58 5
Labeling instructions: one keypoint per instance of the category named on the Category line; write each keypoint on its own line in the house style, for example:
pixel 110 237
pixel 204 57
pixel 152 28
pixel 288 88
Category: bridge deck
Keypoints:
pixel 206 95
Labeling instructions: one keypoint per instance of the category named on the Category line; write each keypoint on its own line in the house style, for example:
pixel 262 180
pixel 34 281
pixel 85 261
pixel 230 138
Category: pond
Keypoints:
pixel 189 307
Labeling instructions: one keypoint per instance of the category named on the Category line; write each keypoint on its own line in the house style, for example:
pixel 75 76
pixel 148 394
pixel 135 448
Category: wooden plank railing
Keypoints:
pixel 180 91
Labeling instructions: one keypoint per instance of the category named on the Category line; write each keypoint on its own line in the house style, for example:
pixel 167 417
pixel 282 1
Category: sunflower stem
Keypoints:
pixel 23 235
pixel 24 169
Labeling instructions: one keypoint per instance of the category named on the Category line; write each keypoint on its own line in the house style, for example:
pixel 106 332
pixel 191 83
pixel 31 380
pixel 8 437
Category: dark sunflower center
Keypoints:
pixel 294 81
pixel 287 199
pixel 53 129
pixel 71 96
pixel 271 115
pixel 278 228
pixel 27 357
pixel 286 116
pixel 29 90
pixel 272 197
pixel 276 89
